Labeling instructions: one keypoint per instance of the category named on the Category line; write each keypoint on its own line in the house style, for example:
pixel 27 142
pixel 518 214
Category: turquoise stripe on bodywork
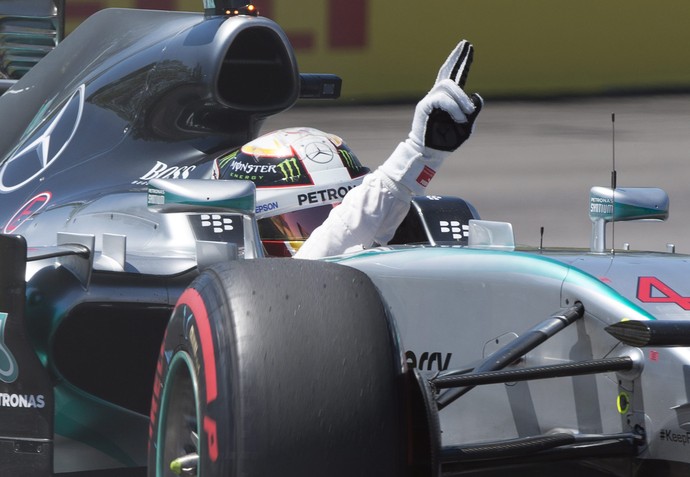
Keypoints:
pixel 80 417
pixel 497 261
pixel 244 204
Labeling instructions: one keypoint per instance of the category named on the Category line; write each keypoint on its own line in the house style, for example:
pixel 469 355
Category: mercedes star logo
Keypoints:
pixel 318 152
pixel 43 146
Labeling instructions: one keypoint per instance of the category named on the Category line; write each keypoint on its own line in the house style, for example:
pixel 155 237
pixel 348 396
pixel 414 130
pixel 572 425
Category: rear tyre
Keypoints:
pixel 279 367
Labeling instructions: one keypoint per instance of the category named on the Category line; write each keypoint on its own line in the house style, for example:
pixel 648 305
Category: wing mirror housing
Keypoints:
pixel 623 204
pixel 200 195
pixel 221 214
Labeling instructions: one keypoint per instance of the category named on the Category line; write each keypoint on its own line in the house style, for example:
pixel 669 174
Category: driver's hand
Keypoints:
pixel 442 121
pixel 444 118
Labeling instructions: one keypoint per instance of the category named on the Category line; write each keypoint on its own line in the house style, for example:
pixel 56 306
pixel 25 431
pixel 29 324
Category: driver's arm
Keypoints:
pixel 371 212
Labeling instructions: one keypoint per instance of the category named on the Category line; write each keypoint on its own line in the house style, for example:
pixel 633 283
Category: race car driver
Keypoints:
pixel 302 173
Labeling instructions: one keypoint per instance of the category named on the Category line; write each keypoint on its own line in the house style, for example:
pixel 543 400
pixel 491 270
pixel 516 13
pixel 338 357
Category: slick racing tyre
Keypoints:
pixel 278 367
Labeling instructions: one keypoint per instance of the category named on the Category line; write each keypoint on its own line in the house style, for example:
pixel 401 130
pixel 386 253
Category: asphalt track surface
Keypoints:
pixel 532 163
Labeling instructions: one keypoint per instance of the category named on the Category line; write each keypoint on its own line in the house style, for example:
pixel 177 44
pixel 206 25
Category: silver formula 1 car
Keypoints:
pixel 142 332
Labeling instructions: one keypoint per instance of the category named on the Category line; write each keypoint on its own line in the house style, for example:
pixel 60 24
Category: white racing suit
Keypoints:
pixel 371 212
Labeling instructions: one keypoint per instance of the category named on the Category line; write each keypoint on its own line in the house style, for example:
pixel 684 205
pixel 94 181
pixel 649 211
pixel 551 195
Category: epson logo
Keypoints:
pixel 325 195
pixel 266 207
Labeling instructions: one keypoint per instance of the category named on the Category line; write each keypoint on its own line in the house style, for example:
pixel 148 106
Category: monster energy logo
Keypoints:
pixel 224 160
pixel 8 364
pixel 253 168
pixel 290 170
pixel 348 159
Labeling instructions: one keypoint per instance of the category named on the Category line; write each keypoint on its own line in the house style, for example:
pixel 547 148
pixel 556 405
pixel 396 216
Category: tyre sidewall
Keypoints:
pixel 305 365
pixel 193 331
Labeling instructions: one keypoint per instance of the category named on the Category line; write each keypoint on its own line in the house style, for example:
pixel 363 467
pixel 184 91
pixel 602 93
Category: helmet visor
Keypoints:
pixel 296 225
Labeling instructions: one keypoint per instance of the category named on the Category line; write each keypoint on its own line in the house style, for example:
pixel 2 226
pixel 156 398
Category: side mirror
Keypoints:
pixel 221 214
pixel 201 195
pixel 623 204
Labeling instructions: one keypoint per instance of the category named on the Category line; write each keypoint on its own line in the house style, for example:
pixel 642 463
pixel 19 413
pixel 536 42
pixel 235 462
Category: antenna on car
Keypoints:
pixel 541 238
pixel 613 180
pixel 609 204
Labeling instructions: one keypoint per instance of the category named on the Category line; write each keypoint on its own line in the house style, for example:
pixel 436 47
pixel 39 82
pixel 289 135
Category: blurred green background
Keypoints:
pixel 391 50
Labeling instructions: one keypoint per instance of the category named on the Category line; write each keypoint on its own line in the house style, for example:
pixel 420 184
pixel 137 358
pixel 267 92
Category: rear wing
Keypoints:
pixel 29 30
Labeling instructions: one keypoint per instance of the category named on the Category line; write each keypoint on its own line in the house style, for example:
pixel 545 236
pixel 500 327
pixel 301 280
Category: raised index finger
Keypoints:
pixel 457 65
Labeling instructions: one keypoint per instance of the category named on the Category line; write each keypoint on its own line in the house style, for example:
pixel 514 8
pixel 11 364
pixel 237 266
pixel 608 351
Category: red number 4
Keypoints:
pixel 665 294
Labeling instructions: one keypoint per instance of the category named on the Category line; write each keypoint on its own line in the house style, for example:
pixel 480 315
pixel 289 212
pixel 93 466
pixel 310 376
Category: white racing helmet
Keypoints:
pixel 300 175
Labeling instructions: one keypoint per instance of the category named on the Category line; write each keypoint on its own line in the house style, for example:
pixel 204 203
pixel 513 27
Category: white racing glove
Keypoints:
pixel 443 120
pixel 372 211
